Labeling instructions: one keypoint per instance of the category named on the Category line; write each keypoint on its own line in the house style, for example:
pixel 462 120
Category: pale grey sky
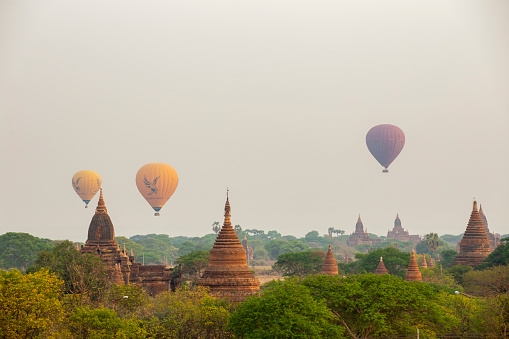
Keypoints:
pixel 270 98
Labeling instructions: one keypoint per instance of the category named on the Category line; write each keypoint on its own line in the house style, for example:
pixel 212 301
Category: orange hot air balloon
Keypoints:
pixel 156 183
pixel 86 183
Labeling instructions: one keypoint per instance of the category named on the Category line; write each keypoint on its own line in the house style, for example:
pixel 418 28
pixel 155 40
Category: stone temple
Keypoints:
pixel 475 246
pixel 494 238
pixel 413 273
pixel 227 274
pixel 399 233
pixel 360 237
pixel 122 268
pixel 329 265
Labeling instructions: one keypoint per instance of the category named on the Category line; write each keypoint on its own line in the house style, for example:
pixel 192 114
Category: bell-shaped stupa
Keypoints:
pixel 413 273
pixel 381 269
pixel 424 264
pixel 227 274
pixel 475 246
pixel 329 265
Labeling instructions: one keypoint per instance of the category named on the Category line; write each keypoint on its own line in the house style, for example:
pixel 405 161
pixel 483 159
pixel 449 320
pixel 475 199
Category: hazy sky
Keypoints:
pixel 270 98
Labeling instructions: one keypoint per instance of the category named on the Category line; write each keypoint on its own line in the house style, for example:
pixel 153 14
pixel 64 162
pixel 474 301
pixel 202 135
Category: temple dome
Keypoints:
pixel 101 228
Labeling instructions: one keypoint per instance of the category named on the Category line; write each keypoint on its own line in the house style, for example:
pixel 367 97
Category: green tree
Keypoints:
pixel 187 314
pixel 313 236
pixel 194 263
pixel 136 298
pixel 20 250
pixel 458 272
pixel 369 305
pixel 300 263
pixel 432 241
pixel 103 323
pixel 273 235
pixel 278 246
pixel 447 257
pixel 238 230
pixel 84 276
pixel 286 310
pixel 216 227
pixel 30 305
pixel 395 261
pixel 499 257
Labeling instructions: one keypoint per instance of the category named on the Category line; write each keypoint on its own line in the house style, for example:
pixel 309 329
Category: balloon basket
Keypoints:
pixel 86 206
pixel 157 214
pixel 385 171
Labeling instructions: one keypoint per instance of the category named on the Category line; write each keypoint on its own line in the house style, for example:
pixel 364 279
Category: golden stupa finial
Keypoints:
pixel 101 206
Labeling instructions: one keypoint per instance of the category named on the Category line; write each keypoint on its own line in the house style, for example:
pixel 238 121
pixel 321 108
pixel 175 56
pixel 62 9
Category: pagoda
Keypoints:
pixel 380 269
pixel 122 268
pixel 413 273
pixel 494 238
pixel 329 265
pixel 424 264
pixel 227 274
pixel 475 246
pixel 248 249
pixel 399 233
pixel 360 237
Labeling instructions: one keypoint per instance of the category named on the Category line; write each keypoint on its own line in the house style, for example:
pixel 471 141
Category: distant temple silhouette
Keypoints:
pixel 122 268
pixel 360 237
pixel 398 233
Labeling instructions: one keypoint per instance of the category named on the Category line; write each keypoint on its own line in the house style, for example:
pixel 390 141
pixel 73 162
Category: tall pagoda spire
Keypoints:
pixel 413 273
pixel 475 246
pixel 101 206
pixel 329 265
pixel 227 274
pixel 381 269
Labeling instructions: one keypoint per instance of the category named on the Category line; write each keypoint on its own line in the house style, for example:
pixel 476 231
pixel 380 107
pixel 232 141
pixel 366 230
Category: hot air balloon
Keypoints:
pixel 385 142
pixel 156 183
pixel 86 183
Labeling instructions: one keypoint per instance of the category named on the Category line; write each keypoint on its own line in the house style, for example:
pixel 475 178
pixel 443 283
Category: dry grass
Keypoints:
pixel 265 274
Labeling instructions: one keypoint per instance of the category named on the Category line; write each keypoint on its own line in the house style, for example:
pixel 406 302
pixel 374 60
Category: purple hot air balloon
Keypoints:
pixel 385 142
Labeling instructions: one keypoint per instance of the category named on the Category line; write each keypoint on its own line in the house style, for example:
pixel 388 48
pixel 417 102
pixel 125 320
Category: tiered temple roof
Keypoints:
pixel 360 236
pixel 381 269
pixel 122 268
pixel 413 273
pixel 401 234
pixel 475 246
pixel 227 274
pixel 329 265
pixel 493 238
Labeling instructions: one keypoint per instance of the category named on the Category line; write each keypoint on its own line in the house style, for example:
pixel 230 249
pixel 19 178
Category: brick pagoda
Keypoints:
pixel 381 269
pixel 474 246
pixel 360 237
pixel 329 265
pixel 399 233
pixel 413 273
pixel 227 274
pixel 122 268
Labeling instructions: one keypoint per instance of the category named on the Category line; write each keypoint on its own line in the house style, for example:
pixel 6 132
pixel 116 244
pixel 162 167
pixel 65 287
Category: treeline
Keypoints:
pixel 19 250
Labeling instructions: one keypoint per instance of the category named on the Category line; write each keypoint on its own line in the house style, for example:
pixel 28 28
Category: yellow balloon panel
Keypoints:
pixel 86 183
pixel 156 183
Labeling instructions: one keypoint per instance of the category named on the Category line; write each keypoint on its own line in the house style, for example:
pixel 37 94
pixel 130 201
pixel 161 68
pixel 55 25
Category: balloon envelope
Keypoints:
pixel 156 183
pixel 385 142
pixel 86 183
